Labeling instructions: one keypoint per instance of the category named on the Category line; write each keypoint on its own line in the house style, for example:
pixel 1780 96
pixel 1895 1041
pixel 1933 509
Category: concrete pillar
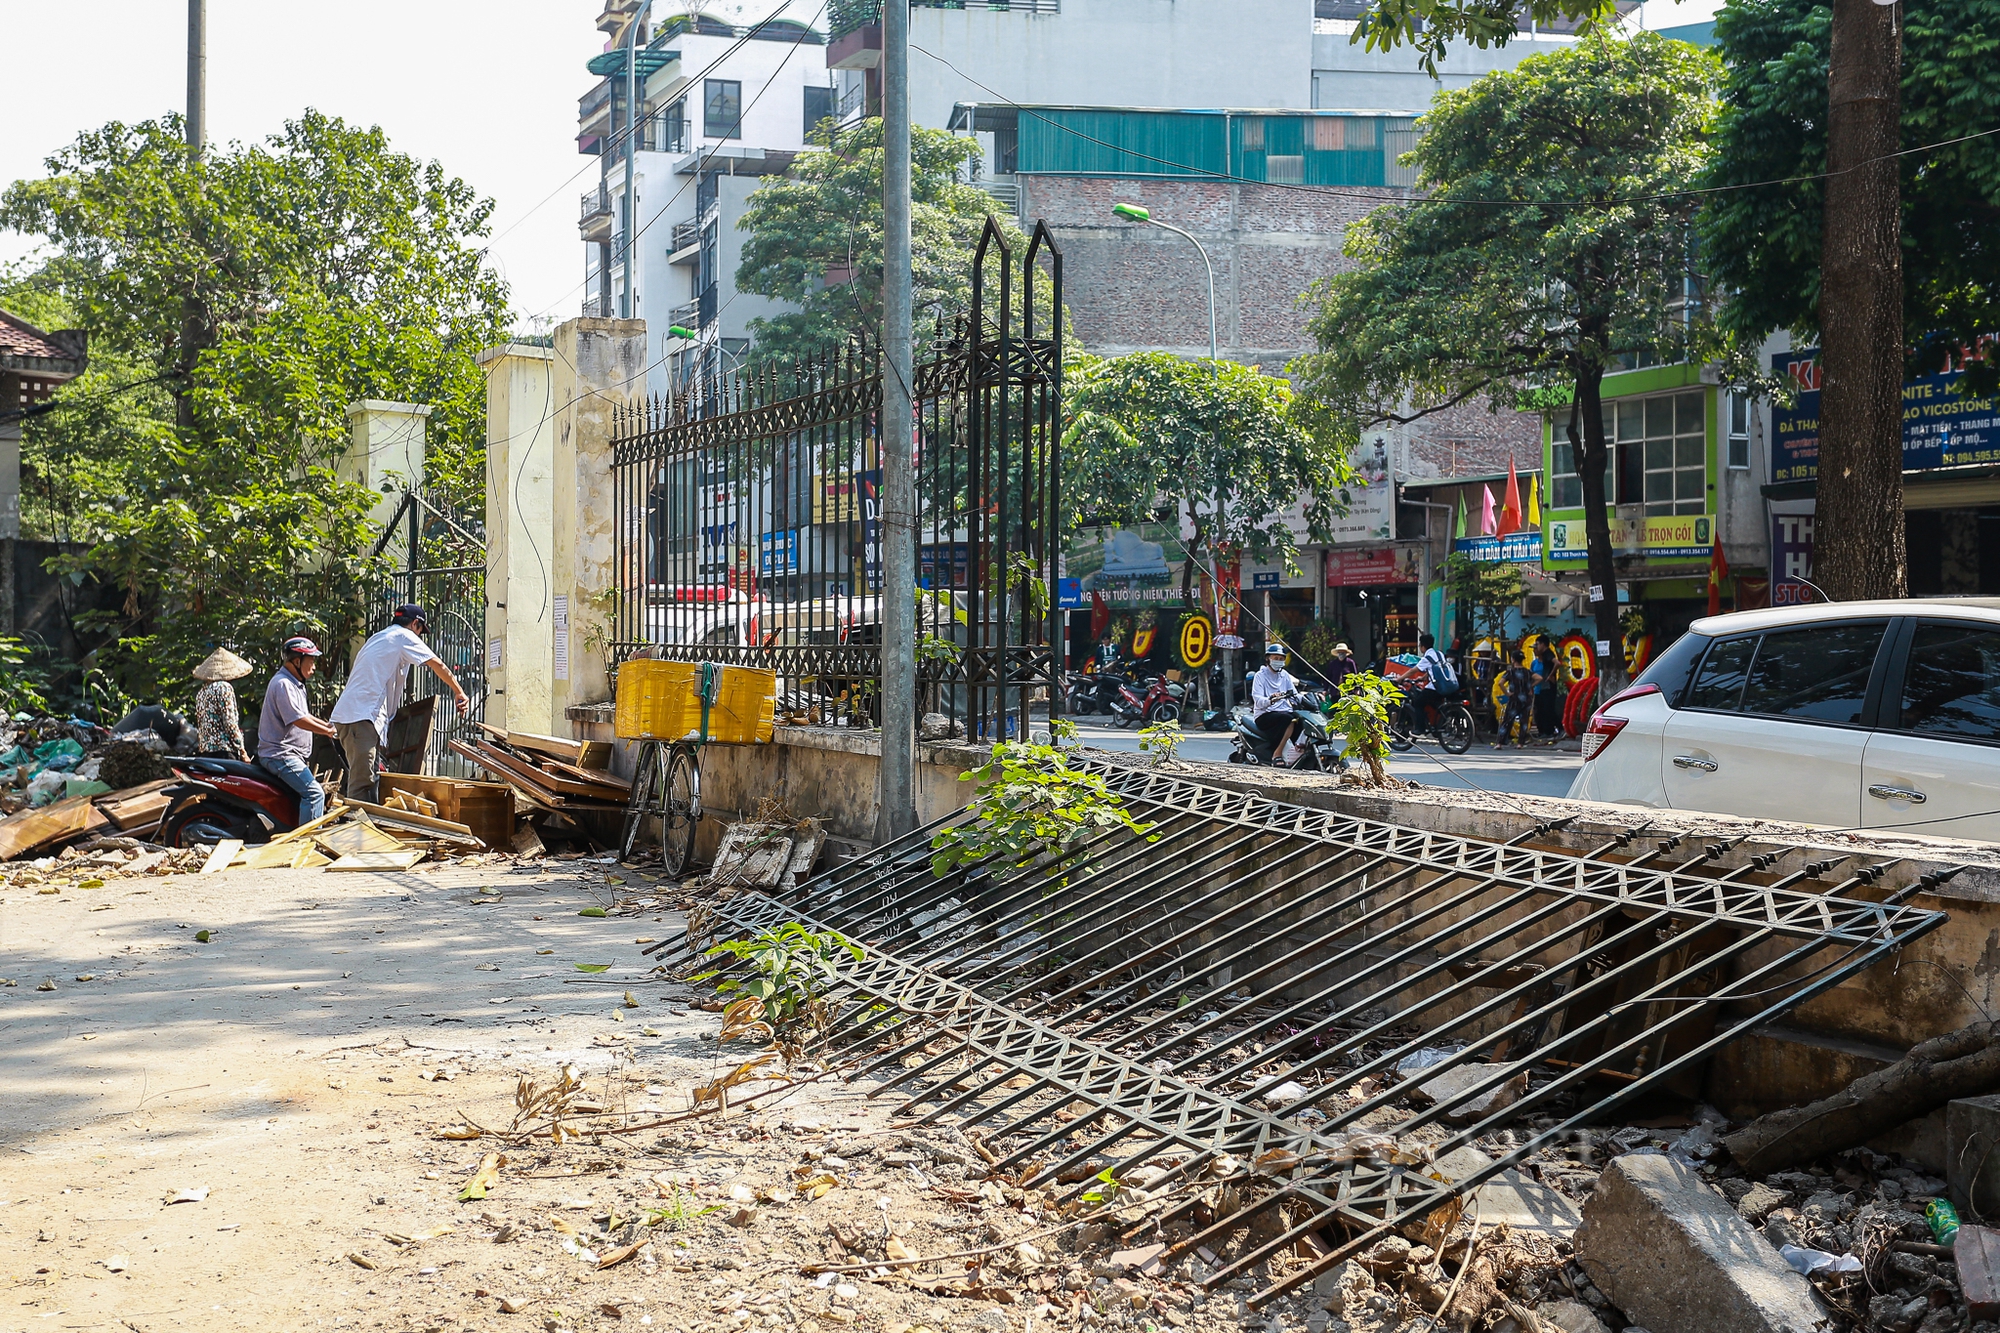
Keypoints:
pixel 385 450
pixel 520 537
pixel 10 479
pixel 600 366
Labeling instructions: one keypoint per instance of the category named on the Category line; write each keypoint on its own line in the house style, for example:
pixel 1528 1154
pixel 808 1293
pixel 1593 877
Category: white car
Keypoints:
pixel 1845 714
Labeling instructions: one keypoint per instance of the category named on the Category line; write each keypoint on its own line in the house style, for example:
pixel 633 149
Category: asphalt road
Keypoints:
pixel 1532 772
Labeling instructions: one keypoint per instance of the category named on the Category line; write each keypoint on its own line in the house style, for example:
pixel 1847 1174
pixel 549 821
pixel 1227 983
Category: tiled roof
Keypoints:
pixel 21 341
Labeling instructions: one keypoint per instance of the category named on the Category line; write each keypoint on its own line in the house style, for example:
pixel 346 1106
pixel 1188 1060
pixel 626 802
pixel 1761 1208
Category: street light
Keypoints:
pixel 1138 214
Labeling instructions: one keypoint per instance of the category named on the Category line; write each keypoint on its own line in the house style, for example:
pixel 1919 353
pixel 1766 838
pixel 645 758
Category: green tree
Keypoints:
pixel 1489 587
pixel 319 267
pixel 1431 26
pixel 1148 432
pixel 815 241
pixel 1550 239
pixel 1765 235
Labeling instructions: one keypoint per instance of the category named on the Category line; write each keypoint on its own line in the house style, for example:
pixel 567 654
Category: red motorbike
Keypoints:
pixel 1154 700
pixel 225 798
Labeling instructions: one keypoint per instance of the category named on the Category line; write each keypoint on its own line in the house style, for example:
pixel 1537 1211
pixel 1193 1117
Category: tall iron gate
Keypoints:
pixel 443 570
pixel 749 513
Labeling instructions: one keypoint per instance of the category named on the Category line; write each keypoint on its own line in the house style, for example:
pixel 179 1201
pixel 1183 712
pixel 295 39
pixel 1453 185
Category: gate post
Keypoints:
pixel 600 368
pixel 520 532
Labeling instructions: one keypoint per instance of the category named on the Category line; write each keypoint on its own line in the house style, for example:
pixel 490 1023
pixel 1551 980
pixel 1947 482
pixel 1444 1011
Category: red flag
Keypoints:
pixel 1718 570
pixel 1510 508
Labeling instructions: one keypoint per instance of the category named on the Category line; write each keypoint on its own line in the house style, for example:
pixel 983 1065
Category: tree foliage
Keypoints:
pixel 1762 233
pixel 1151 431
pixel 815 241
pixel 1431 26
pixel 246 297
pixel 1550 238
pixel 1489 587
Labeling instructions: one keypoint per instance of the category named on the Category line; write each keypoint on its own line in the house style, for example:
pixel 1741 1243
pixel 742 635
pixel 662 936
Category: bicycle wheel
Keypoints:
pixel 647 806
pixel 1455 729
pixel 1400 729
pixel 683 807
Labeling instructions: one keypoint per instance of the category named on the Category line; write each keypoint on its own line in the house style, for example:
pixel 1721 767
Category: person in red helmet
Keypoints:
pixel 375 691
pixel 286 727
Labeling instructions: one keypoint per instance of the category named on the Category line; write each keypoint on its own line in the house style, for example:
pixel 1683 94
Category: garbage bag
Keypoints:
pixel 75 786
pixel 56 749
pixel 46 787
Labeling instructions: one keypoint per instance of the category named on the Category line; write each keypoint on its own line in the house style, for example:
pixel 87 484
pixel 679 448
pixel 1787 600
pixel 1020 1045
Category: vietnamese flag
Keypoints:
pixel 1510 508
pixel 1718 570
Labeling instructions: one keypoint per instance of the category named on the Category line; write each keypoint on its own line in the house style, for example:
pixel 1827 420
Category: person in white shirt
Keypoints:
pixel 374 692
pixel 1271 693
pixel 1443 679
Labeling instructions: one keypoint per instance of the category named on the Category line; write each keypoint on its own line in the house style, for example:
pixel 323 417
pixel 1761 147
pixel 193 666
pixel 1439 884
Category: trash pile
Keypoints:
pixel 555 775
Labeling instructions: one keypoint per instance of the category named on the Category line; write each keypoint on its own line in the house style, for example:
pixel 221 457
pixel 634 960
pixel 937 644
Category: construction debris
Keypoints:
pixel 769 851
pixel 1958 1064
pixel 552 774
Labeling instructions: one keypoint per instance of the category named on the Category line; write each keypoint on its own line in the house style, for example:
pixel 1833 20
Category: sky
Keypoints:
pixel 489 90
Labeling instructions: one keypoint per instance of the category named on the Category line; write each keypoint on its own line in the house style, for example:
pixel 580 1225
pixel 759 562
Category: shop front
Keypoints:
pixel 1371 598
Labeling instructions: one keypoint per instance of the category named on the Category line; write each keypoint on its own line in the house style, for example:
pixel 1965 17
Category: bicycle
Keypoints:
pixel 1453 725
pixel 666 786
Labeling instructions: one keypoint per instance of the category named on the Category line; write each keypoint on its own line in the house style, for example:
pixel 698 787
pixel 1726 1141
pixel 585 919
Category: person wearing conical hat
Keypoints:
pixel 218 721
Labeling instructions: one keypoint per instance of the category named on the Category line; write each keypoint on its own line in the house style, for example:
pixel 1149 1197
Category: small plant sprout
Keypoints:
pixel 789 969
pixel 1030 803
pixel 1162 740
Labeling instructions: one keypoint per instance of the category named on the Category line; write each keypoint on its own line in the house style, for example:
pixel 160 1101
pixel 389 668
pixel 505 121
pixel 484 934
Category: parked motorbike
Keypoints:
pixel 1092 691
pixel 216 799
pixel 1319 746
pixel 1154 699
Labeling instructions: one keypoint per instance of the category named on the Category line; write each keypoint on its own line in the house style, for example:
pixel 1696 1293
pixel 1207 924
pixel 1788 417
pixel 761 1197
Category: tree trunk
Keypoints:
pixel 1965 1063
pixel 1586 439
pixel 1858 523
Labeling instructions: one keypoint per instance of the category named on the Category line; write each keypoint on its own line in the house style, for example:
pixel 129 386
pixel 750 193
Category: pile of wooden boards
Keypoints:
pixel 353 835
pixel 135 811
pixel 573 777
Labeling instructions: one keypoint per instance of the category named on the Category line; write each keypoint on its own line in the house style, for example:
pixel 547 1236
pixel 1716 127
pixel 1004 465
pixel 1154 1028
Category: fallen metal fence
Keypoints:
pixel 1137 1001
pixel 749 513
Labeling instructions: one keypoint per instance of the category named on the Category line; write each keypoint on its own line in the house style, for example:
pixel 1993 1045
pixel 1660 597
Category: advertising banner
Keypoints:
pixel 1370 498
pixel 1659 537
pixel 1941 426
pixel 1361 569
pixel 1516 548
pixel 1791 552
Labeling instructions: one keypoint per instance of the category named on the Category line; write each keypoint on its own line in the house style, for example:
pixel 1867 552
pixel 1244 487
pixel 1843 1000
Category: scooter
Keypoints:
pixel 225 798
pixel 1319 748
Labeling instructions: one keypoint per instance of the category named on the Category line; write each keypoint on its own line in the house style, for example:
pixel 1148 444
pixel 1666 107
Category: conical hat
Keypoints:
pixel 222 665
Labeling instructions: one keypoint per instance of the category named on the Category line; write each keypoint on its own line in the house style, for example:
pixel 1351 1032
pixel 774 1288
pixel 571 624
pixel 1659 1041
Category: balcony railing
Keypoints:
pixel 847 15
pixel 597 307
pixel 685 235
pixel 596 204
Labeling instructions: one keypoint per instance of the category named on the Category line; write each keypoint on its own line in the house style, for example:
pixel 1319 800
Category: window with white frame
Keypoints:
pixel 1659 444
pixel 1565 486
pixel 1739 431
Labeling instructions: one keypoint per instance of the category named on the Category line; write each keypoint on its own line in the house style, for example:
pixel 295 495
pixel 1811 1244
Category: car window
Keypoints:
pixel 1816 674
pixel 1952 684
pixel 1719 683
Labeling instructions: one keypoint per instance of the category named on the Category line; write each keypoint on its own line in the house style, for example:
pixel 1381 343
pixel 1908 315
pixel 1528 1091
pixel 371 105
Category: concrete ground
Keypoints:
pixel 1535 771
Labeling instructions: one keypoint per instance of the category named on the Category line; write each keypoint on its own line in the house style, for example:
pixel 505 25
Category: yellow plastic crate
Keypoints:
pixel 661 701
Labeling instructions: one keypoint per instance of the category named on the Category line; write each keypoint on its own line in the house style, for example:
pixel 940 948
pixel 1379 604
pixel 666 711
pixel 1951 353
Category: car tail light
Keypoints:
pixel 1604 728
pixel 1600 733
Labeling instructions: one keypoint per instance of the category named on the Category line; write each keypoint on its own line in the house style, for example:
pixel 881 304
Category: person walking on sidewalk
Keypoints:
pixel 218 717
pixel 375 691
pixel 286 727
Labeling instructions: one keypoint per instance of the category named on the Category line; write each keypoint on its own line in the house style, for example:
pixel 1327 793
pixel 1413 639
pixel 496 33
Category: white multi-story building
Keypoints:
pixel 729 92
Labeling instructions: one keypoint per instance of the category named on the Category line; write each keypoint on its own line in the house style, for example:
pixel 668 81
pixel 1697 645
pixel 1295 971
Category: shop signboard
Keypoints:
pixel 1656 537
pixel 1516 548
pixel 1069 594
pixel 1791 553
pixel 1302 572
pixel 1941 426
pixel 1128 567
pixel 1361 569
pixel 871 527
pixel 778 553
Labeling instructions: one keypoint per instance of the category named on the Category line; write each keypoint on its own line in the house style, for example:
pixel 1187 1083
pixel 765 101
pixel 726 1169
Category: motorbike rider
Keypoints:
pixel 286 727
pixel 1443 679
pixel 1271 694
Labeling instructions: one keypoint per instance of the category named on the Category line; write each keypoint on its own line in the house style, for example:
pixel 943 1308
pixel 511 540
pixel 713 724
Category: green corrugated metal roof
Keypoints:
pixel 649 62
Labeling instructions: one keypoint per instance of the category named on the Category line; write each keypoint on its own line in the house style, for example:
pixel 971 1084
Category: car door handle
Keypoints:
pixel 1884 791
pixel 1695 761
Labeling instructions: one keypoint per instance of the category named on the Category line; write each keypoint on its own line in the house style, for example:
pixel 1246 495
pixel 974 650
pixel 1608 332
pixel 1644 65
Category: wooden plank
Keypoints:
pixel 530 781
pixel 377 861
pixel 382 812
pixel 1977 1252
pixel 601 777
pixel 221 855
pixel 553 746
pixel 501 762
pixel 359 836
pixel 32 830
pixel 140 812
pixel 307 829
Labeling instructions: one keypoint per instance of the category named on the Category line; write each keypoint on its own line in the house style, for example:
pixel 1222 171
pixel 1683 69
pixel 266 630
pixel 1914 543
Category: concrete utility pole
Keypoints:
pixel 899 504
pixel 631 147
pixel 197 90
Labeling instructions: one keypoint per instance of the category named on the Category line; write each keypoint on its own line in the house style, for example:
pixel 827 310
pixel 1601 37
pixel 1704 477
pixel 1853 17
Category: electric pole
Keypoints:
pixel 197 89
pixel 899 506
pixel 1859 551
